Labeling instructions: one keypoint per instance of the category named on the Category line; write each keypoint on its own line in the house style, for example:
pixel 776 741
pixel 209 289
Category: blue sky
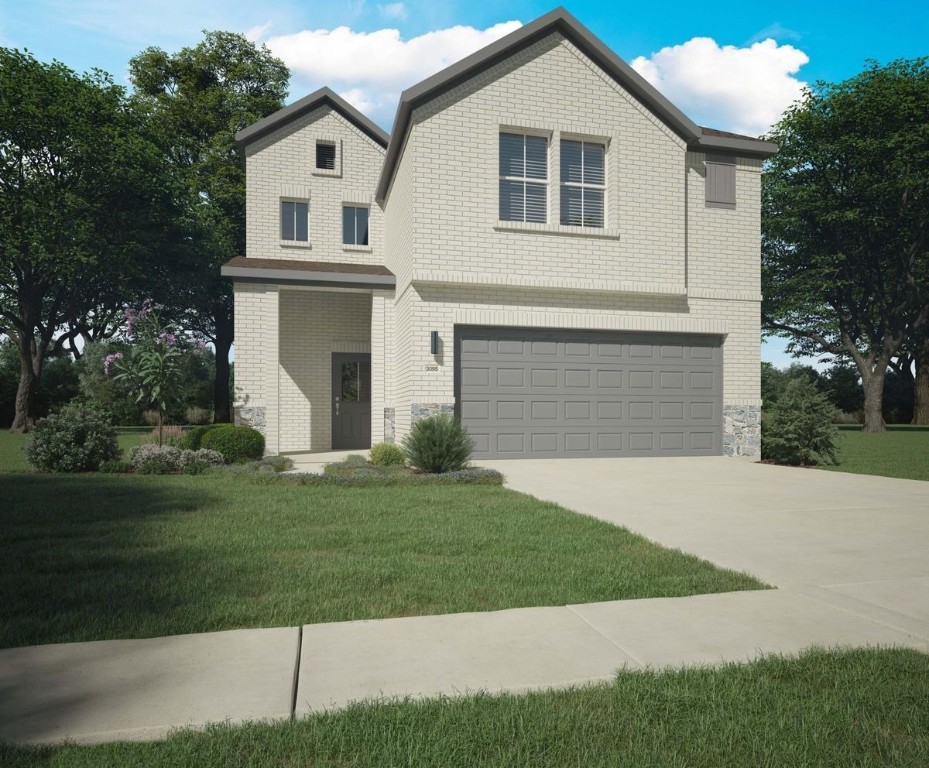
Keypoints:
pixel 731 65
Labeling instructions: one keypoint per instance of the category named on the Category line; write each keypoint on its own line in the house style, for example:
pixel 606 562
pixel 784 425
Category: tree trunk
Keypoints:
pixel 872 381
pixel 222 412
pixel 921 385
pixel 30 371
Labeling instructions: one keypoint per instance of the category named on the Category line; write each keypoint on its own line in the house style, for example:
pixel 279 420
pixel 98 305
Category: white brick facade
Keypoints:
pixel 663 261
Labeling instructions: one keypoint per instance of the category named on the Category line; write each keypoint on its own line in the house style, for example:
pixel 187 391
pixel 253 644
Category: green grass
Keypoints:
pixel 115 556
pixel 851 709
pixel 901 451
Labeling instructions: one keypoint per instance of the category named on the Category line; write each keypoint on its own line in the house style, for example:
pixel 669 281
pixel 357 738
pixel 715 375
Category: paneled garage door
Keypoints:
pixel 525 393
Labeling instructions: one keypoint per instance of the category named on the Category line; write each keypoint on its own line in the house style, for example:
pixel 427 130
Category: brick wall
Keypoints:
pixel 314 324
pixel 282 165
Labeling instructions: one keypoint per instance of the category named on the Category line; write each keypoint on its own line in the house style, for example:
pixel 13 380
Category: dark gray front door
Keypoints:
pixel 536 393
pixel 351 401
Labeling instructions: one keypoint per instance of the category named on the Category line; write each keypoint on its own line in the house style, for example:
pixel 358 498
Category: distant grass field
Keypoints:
pixel 901 451
pixel 854 709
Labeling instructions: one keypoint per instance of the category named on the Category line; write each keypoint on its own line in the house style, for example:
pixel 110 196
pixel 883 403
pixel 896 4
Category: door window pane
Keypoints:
pixel 351 381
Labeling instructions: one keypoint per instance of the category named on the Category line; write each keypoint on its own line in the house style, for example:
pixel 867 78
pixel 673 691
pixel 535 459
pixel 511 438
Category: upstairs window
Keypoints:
pixel 354 225
pixel 720 181
pixel 325 155
pixel 523 178
pixel 295 220
pixel 583 183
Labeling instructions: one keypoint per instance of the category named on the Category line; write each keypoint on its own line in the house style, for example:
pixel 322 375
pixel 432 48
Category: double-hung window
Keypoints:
pixel 295 220
pixel 354 225
pixel 583 183
pixel 523 178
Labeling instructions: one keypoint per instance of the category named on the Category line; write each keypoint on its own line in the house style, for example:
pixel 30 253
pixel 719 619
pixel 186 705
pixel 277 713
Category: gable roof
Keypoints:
pixel 307 104
pixel 558 20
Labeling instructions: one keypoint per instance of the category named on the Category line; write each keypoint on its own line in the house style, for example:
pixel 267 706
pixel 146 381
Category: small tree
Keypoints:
pixel 799 429
pixel 156 360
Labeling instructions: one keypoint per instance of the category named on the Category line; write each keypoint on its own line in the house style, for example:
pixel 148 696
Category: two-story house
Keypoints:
pixel 545 247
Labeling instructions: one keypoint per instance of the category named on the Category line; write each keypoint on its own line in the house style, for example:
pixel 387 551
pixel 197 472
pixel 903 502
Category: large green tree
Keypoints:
pixel 86 207
pixel 845 222
pixel 201 96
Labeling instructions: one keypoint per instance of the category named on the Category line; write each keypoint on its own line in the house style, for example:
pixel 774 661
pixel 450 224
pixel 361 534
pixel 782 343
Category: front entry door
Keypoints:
pixel 351 401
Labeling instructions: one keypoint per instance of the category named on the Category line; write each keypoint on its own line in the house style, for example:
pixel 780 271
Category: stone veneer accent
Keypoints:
pixel 251 417
pixel 389 414
pixel 425 410
pixel 742 430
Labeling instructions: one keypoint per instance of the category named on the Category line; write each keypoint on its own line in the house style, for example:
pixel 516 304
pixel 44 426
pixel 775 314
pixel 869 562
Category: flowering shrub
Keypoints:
pixel 155 363
pixel 161 459
pixel 75 440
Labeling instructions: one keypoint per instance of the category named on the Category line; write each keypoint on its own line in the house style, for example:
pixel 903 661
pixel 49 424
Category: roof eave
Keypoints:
pixel 556 20
pixel 307 104
pixel 752 147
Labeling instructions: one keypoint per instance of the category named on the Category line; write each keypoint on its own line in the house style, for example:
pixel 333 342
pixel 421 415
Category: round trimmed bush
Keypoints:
pixel 236 443
pixel 193 437
pixel 438 444
pixel 387 455
pixel 74 440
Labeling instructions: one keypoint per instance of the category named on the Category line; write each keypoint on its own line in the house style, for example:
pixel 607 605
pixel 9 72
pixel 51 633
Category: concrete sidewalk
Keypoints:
pixel 141 689
pixel 848 553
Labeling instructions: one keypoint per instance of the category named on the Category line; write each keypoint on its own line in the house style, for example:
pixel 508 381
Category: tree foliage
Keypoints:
pixel 845 221
pixel 86 202
pixel 200 97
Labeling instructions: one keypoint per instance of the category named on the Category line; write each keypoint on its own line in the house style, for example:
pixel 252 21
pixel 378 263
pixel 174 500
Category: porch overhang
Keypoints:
pixel 309 273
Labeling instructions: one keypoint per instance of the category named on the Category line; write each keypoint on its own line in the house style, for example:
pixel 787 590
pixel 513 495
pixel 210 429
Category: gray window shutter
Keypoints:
pixel 720 181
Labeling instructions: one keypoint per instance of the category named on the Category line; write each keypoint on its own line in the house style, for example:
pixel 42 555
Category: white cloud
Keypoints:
pixel 393 10
pixel 738 89
pixel 371 68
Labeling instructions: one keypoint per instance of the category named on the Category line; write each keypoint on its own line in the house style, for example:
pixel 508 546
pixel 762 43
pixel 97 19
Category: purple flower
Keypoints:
pixel 109 360
pixel 166 338
pixel 199 347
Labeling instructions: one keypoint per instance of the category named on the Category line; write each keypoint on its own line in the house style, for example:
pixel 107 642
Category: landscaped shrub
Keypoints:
pixel 74 440
pixel 236 443
pixel 386 455
pixel 115 466
pixel 844 417
pixel 197 415
pixel 276 464
pixel 150 459
pixel 170 435
pixel 799 429
pixel 192 437
pixel 438 444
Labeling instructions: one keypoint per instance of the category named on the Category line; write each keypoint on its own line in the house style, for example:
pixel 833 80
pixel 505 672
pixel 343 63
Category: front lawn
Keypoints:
pixel 901 451
pixel 851 709
pixel 115 556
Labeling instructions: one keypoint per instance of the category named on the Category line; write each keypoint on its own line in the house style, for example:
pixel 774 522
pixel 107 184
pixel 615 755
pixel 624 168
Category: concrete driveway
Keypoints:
pixel 845 536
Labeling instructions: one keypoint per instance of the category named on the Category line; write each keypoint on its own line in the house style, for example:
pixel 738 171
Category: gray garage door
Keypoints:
pixel 534 393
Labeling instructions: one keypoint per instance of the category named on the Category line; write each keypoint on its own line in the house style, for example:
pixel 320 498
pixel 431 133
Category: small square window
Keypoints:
pixel 325 155
pixel 354 225
pixel 295 220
